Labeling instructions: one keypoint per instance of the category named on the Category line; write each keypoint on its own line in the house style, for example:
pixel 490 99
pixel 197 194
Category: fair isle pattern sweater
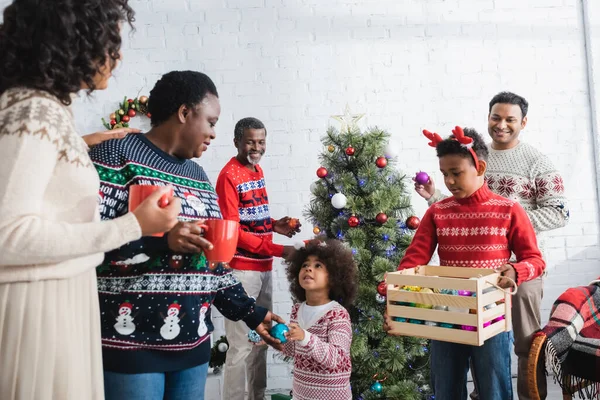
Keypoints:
pixel 529 177
pixel 323 366
pixel 156 304
pixel 479 231
pixel 49 222
pixel 243 197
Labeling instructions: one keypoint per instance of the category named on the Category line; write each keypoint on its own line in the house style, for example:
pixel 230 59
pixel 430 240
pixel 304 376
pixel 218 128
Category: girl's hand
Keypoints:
pixel 296 333
pixel 96 138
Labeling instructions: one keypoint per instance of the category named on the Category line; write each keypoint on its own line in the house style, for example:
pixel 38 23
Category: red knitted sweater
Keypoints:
pixel 480 231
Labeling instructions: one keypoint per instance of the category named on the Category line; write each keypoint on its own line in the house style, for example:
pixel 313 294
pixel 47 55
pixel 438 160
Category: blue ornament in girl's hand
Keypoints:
pixel 278 332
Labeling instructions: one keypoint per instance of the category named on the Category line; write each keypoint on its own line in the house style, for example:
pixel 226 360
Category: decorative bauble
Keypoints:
pixel 125 118
pixel 121 112
pixel 322 172
pixel 148 115
pixel 422 178
pixel 143 99
pixel 222 347
pixel 316 230
pixel 294 223
pixel 113 116
pixel 339 200
pixel 382 288
pixel 278 332
pixel 113 122
pixel 350 151
pixel 130 100
pixel 381 218
pixel 131 112
pixel 133 106
pixel 381 162
pixel 331 148
pixel 380 299
pixel 353 221
pixel 413 222
pixel 377 387
pixel 254 337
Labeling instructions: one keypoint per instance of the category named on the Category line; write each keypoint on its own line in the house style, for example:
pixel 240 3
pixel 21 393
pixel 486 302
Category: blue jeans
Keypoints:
pixel 450 363
pixel 187 384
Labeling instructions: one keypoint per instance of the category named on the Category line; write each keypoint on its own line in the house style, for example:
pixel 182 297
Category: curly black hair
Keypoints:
pixel 56 46
pixel 451 146
pixel 247 123
pixel 340 266
pixel 510 98
pixel 175 89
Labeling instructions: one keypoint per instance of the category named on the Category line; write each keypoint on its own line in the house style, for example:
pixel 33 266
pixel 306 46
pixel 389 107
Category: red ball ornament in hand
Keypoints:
pixel 413 222
pixel 322 172
pixel 382 288
pixel 381 162
pixel 381 218
pixel 350 151
pixel 353 221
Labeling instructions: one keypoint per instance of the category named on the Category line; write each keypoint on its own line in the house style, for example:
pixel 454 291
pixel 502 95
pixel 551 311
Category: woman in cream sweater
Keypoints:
pixel 51 236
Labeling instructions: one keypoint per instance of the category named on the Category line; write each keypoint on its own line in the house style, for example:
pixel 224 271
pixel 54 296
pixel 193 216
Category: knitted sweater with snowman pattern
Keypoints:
pixel 155 303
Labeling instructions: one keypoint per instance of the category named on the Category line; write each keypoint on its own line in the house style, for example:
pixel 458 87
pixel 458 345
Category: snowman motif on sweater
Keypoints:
pixel 171 329
pixel 202 328
pixel 125 325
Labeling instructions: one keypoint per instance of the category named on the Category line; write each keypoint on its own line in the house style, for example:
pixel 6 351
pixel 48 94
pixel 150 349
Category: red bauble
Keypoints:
pixel 381 162
pixel 131 113
pixel 148 115
pixel 125 118
pixel 382 288
pixel 322 172
pixel 113 122
pixel 413 222
pixel 353 221
pixel 130 100
pixel 381 218
pixel 350 151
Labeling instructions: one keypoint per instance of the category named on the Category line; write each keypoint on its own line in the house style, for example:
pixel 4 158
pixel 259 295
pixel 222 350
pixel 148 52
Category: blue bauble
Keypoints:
pixel 377 387
pixel 254 337
pixel 278 332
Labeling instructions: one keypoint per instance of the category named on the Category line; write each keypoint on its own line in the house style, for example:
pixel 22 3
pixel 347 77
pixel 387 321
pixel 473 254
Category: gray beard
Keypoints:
pixel 253 161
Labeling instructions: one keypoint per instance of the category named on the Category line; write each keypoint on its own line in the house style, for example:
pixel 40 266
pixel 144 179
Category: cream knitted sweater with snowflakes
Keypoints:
pixel 527 176
pixel 50 227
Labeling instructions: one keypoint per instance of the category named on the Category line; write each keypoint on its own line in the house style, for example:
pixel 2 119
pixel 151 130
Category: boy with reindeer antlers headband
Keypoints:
pixel 474 228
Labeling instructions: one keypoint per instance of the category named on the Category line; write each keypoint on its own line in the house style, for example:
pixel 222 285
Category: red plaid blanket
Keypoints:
pixel 573 346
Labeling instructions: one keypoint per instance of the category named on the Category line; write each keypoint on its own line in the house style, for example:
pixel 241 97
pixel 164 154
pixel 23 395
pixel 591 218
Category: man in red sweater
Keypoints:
pixel 243 197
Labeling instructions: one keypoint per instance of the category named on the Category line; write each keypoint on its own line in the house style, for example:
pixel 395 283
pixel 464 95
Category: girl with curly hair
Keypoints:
pixel 51 236
pixel 323 283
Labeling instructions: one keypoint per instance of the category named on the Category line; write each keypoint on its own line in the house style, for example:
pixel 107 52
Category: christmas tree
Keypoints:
pixel 361 199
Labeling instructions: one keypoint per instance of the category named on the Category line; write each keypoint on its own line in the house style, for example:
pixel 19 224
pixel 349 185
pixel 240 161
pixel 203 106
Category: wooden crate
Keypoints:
pixel 475 280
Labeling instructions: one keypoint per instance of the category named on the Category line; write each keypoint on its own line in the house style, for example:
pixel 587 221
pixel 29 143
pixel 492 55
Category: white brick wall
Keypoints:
pixel 407 64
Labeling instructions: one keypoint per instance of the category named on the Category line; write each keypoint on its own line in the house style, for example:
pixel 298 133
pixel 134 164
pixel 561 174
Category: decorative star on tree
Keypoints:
pixel 347 119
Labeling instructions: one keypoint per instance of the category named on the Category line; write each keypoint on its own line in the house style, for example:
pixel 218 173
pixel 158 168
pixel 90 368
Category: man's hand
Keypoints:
pixel 296 333
pixel 287 252
pixel 507 271
pixel 263 331
pixel 96 138
pixel 427 190
pixel 286 226
pixel 186 237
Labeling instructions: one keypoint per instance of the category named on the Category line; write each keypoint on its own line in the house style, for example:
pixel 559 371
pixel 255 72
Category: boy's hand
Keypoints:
pixel 296 333
pixel 507 271
pixel 427 190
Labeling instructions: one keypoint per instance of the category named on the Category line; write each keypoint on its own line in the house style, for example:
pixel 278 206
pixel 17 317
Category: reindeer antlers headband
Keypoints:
pixel 459 136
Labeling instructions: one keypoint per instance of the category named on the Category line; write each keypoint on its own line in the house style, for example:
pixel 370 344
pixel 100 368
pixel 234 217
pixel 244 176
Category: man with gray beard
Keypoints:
pixel 243 197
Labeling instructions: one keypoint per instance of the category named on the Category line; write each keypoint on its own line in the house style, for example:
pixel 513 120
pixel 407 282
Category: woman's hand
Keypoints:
pixel 186 237
pixel 96 138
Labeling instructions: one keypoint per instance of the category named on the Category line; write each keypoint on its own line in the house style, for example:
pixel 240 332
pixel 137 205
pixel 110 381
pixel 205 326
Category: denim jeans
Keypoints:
pixel 187 384
pixel 450 363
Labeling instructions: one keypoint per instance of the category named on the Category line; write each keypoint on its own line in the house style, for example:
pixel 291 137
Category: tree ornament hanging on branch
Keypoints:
pixel 339 201
pixel 316 230
pixel 381 218
pixel 322 172
pixel 381 162
pixel 353 221
pixel 350 151
pixel 128 109
pixel 331 148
